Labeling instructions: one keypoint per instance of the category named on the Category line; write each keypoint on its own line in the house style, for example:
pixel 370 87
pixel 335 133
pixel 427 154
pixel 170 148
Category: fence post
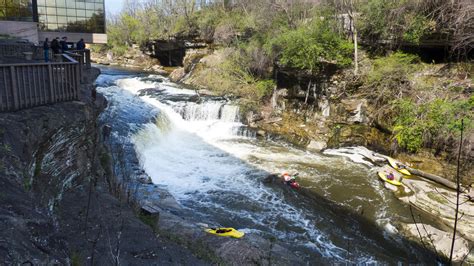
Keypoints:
pixel 87 54
pixel 77 85
pixel 16 103
pixel 51 83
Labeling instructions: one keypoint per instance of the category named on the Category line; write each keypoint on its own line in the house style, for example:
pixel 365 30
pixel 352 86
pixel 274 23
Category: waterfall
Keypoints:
pixel 214 166
pixel 208 111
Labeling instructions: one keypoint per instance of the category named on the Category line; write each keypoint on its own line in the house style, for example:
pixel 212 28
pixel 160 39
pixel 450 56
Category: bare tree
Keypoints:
pixel 458 192
pixel 347 9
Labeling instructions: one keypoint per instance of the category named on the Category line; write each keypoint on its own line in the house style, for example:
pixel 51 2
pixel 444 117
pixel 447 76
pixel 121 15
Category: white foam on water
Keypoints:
pixel 193 150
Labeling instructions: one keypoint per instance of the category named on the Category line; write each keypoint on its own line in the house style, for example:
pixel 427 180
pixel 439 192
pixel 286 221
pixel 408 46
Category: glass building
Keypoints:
pixel 82 16
pixel 71 15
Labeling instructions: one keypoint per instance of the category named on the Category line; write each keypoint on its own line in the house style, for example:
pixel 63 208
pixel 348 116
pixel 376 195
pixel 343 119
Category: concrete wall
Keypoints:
pixel 20 29
pixel 74 37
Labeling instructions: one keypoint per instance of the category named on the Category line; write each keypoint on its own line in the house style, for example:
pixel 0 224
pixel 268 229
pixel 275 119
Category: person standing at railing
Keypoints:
pixel 55 45
pixel 80 45
pixel 46 50
pixel 63 44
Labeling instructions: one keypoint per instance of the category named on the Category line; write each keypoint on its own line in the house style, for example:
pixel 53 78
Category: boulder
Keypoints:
pixel 177 74
pixel 316 145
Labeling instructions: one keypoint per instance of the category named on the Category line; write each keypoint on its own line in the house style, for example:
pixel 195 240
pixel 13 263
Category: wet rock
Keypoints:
pixel 177 74
pixel 249 250
pixel 159 70
pixel 356 109
pixel 145 179
pixel 206 92
pixel 440 239
pixel 315 145
pixel 252 118
pixel 434 200
pixel 193 56
pixel 361 135
pixel 261 133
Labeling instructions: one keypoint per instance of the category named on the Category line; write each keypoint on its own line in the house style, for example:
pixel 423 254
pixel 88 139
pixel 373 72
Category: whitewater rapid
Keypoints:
pixel 200 152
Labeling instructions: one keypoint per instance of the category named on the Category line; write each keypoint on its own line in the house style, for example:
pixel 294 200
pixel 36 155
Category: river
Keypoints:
pixel 200 152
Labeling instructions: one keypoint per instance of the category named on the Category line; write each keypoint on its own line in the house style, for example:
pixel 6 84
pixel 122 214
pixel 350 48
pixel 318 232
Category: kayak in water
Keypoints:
pixel 229 232
pixel 290 180
pixel 389 177
pixel 398 166
pixel 285 178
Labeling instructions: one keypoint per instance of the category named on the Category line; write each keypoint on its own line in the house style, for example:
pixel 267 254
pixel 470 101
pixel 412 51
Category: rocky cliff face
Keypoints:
pixel 55 205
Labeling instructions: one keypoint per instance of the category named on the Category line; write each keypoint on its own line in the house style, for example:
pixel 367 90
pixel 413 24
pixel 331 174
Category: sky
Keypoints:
pixel 113 6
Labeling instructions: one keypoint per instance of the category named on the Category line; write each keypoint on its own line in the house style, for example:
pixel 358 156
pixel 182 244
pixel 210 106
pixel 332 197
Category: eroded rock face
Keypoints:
pixel 55 204
pixel 359 134
pixel 438 201
pixel 439 240
pixel 355 110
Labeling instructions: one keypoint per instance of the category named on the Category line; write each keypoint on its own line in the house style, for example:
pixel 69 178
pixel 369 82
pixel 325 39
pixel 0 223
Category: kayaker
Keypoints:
pixel 289 179
pixel 390 176
pixel 286 178
pixel 401 166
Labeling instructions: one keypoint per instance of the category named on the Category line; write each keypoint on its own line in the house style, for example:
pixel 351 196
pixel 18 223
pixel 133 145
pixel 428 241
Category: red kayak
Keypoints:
pixel 295 185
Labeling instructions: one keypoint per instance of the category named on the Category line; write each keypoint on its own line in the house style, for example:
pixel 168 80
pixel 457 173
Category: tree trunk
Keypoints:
pixel 435 178
pixel 356 64
pixel 307 92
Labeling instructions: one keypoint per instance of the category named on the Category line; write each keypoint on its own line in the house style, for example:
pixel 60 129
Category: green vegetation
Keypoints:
pixel 390 77
pixel 432 123
pixel 309 46
pixel 251 40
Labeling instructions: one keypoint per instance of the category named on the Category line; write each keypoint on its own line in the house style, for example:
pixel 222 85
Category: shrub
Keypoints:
pixel 431 124
pixel 418 26
pixel 264 87
pixel 389 77
pixel 308 46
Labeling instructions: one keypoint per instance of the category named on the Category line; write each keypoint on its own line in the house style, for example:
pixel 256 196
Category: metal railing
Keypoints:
pixel 12 49
pixel 86 57
pixel 26 85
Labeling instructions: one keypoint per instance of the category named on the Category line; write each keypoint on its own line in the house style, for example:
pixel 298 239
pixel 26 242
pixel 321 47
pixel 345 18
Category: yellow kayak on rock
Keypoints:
pixel 383 176
pixel 229 232
pixel 395 166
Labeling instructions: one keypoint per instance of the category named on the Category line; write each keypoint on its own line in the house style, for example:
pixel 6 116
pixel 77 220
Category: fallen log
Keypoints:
pixel 440 180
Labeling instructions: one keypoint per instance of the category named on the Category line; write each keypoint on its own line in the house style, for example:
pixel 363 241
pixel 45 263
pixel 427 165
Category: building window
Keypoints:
pixel 17 10
pixel 71 15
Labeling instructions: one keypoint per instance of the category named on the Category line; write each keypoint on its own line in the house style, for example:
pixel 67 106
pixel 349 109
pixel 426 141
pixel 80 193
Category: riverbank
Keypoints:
pixel 345 110
pixel 167 151
pixel 333 122
pixel 345 113
pixel 55 202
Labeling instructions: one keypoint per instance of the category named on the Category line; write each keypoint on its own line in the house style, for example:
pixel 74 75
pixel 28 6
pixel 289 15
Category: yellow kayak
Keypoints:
pixel 383 176
pixel 395 166
pixel 230 232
